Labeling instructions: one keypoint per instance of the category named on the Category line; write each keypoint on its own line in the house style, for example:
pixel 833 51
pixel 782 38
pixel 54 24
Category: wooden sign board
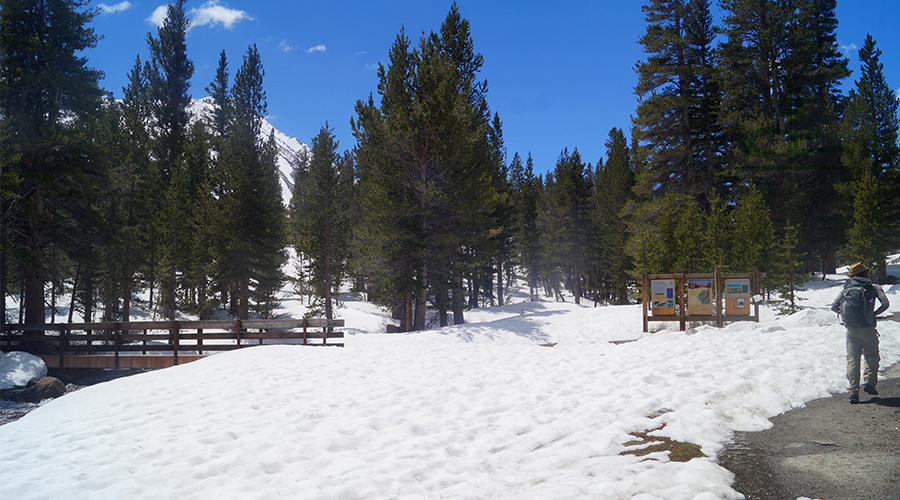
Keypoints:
pixel 737 297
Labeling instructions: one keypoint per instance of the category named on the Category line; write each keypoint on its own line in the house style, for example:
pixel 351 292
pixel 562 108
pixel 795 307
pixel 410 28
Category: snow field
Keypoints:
pixel 481 410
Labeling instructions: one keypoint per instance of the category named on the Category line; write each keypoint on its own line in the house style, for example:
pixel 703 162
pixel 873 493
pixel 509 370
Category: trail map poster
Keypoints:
pixel 700 297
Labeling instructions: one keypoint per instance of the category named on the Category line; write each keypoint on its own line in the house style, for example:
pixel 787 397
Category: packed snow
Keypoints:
pixel 529 400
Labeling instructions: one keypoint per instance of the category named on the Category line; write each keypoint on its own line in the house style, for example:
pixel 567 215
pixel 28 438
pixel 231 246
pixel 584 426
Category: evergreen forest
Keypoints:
pixel 743 152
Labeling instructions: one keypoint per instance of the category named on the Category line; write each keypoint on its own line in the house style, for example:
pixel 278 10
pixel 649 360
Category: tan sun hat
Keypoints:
pixel 857 269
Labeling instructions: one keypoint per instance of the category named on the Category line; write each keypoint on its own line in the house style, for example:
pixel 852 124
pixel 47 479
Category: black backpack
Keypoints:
pixel 855 307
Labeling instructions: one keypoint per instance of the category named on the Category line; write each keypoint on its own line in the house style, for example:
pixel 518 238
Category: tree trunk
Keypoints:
pixel 328 309
pixel 422 297
pixel 499 281
pixel 34 268
pixel 442 296
pixel 408 326
pixel 459 300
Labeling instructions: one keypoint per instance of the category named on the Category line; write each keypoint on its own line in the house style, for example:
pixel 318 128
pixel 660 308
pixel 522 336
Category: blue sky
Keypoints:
pixel 560 74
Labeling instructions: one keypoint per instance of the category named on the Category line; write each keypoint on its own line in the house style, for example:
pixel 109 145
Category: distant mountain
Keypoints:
pixel 288 146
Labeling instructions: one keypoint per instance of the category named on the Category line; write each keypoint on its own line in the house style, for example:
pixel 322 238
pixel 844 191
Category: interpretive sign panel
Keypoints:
pixel 662 299
pixel 737 297
pixel 700 297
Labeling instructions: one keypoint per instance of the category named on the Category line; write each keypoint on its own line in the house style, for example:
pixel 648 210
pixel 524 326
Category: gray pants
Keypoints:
pixel 862 341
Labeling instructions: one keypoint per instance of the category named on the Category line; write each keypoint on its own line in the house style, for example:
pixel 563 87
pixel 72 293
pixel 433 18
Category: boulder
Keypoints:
pixel 45 388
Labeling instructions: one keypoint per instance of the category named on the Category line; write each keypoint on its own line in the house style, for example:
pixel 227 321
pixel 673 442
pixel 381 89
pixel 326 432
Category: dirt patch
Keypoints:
pixel 645 444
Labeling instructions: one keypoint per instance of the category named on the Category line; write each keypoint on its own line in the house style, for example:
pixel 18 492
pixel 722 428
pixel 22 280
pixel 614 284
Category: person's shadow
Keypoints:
pixel 889 402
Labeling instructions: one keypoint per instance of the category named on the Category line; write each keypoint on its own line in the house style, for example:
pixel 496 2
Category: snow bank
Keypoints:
pixel 17 369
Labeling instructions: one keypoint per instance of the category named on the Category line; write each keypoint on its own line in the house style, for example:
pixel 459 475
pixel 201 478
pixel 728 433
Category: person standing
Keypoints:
pixel 856 306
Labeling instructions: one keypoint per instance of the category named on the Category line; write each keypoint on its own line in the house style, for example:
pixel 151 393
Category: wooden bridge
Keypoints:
pixel 157 344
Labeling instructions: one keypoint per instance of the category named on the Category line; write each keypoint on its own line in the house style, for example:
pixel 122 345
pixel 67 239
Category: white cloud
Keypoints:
pixel 317 48
pixel 208 14
pixel 285 47
pixel 158 16
pixel 112 9
pixel 848 48
pixel 211 13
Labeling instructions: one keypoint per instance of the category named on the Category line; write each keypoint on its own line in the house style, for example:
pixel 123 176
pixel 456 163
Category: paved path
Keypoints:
pixel 829 450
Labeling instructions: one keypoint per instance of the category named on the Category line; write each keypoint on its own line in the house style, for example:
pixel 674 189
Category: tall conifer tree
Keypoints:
pixel 426 155
pixel 320 215
pixel 251 196
pixel 169 81
pixel 47 91
pixel 872 156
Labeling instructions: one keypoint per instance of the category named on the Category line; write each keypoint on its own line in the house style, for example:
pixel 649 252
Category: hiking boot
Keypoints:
pixel 870 389
pixel 854 398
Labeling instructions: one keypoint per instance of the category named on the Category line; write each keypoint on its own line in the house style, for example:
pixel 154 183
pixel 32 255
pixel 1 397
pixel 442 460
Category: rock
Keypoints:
pixel 45 388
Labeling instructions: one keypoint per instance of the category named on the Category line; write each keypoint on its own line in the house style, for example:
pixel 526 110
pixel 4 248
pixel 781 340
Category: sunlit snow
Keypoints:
pixel 482 410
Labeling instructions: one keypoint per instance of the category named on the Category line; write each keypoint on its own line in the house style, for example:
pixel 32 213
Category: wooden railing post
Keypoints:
pixel 176 330
pixel 238 338
pixel 116 340
pixel 63 335
pixel 645 297
pixel 720 289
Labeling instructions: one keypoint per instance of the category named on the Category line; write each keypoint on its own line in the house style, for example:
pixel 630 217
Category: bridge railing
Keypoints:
pixel 163 337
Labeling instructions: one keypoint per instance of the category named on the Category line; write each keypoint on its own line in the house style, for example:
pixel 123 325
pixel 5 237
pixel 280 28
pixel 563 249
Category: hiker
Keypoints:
pixel 856 306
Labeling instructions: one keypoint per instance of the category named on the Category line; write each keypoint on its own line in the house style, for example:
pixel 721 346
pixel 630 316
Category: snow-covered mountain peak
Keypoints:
pixel 288 147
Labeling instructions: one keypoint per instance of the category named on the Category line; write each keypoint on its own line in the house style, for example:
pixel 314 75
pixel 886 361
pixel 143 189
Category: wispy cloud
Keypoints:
pixel 112 9
pixel 208 14
pixel 211 13
pixel 848 48
pixel 317 48
pixel 285 47
pixel 372 67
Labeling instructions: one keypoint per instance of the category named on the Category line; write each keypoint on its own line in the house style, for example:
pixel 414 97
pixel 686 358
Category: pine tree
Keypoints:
pixel 429 169
pixel 872 156
pixel 787 276
pixel 320 216
pixel 170 82
pixel 613 183
pixel 676 115
pixel 251 197
pixel 570 190
pixel 169 86
pixel 47 91
pixel 780 69
pixel 221 101
pixel 752 239
pixel 526 239
pixel 139 183
pixel 864 237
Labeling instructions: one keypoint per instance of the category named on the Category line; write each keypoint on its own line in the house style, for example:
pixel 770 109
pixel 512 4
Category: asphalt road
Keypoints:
pixel 829 450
